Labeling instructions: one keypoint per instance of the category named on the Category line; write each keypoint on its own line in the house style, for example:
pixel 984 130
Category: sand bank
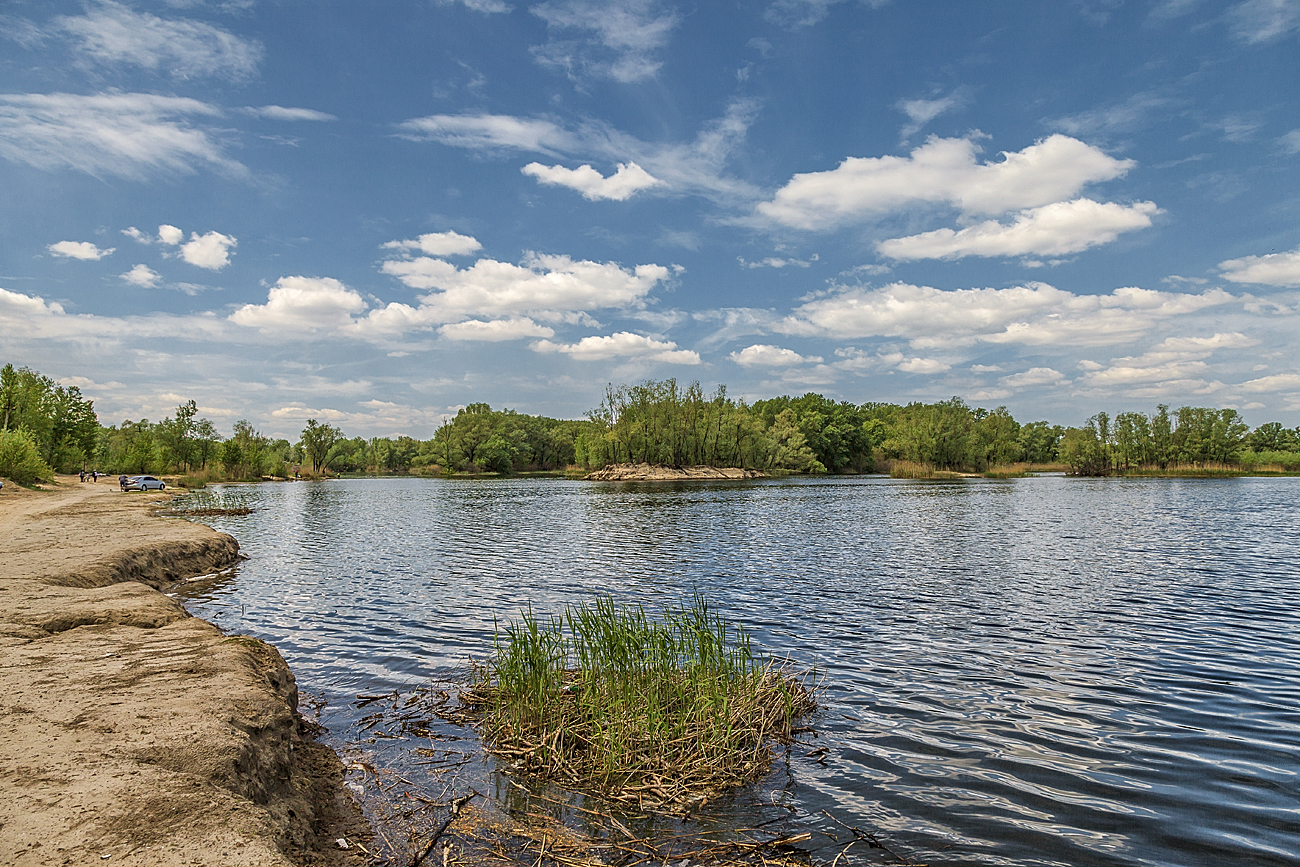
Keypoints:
pixel 130 732
pixel 661 473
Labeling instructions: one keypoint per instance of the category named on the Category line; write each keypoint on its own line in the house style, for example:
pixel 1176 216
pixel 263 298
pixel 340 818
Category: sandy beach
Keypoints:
pixel 131 732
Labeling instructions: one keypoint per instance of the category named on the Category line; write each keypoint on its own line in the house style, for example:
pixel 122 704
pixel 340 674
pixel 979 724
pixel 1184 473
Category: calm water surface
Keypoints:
pixel 1033 671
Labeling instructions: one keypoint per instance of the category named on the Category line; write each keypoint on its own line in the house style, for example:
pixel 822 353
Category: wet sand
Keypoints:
pixel 131 732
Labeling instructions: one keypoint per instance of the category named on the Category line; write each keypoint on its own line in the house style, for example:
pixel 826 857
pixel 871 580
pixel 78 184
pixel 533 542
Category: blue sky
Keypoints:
pixel 373 214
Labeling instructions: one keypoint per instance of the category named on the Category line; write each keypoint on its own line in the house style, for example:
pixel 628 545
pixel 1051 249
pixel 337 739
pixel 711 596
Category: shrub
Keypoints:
pixel 20 460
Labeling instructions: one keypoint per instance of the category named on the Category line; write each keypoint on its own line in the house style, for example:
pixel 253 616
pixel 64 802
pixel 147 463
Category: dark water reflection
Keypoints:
pixel 1034 671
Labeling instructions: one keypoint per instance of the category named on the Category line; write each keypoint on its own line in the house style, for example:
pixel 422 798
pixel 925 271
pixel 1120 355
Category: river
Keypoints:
pixel 1045 671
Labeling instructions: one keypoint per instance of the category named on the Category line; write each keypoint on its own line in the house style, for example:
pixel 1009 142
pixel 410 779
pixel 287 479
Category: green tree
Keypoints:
pixel 317 440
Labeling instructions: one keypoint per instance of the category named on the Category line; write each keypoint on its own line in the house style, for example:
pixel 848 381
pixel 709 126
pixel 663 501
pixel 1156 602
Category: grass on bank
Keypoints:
pixel 662 713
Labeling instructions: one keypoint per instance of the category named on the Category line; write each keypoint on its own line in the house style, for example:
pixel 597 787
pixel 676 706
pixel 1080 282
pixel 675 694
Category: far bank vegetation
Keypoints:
pixel 46 427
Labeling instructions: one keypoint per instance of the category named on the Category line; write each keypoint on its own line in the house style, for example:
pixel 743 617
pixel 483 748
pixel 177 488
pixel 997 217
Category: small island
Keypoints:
pixel 661 473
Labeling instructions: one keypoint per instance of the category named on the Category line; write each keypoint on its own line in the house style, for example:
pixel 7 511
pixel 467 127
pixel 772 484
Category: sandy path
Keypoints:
pixel 131 732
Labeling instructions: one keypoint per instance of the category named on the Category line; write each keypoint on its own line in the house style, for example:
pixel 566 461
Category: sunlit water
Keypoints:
pixel 1034 671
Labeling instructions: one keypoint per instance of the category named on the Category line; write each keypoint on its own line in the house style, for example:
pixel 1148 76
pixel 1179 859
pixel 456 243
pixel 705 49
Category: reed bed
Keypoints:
pixel 919 470
pixel 664 713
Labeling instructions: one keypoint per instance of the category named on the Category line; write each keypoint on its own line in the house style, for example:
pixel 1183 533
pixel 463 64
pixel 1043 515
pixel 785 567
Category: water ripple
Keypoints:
pixel 1037 671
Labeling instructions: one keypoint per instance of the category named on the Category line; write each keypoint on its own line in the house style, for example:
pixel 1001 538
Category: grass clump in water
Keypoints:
pixel 663 713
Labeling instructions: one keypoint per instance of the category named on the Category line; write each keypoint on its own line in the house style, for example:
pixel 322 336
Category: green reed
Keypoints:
pixel 659 711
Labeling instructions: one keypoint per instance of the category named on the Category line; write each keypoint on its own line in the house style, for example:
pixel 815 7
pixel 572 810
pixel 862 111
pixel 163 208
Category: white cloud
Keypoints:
pixel 484 6
pixel 1274 269
pixel 113 34
pixel 79 250
pixel 1034 314
pixel 619 38
pixel 942 171
pixel 690 167
pixel 211 251
pixel 1052 230
pixel 279 112
pixel 130 135
pixel 624 344
pixel 797 14
pixel 495 330
pixel 136 235
pixel 1290 143
pixel 1258 21
pixel 765 355
pixel 170 235
pixel 1034 376
pixel 628 180
pixel 777 262
pixel 438 244
pixel 1276 382
pixel 545 286
pixel 142 276
pixel 921 111
pixel 302 304
pixel 1173 360
pixel 1131 115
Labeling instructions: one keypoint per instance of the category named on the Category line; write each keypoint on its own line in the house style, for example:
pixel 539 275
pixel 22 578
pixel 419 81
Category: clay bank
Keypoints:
pixel 131 732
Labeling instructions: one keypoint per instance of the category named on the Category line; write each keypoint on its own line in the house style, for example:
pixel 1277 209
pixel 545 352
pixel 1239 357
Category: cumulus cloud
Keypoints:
pixel 765 355
pixel 1274 269
pixel 495 330
pixel 129 135
pixel 628 180
pixel 615 39
pixel 79 250
pixel 543 286
pixel 942 171
pixel 302 304
pixel 142 276
pixel 624 344
pixel 111 34
pixel 438 244
pixel 279 112
pixel 170 235
pixel 1035 314
pixel 210 251
pixel 1053 230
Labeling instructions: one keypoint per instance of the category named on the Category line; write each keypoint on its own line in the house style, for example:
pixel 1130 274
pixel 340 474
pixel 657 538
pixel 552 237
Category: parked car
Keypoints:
pixel 143 483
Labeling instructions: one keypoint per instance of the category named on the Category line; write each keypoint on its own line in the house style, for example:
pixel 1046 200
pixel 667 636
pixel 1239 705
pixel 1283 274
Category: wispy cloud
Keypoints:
pixel 279 112
pixel 697 167
pixel 129 135
pixel 112 34
pixel 617 39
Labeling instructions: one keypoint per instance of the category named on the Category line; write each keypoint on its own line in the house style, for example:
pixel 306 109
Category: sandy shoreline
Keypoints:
pixel 131 732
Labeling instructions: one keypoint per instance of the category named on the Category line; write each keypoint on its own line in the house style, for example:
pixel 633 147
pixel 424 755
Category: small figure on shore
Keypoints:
pixel 83 475
pixel 94 476
pixel 121 482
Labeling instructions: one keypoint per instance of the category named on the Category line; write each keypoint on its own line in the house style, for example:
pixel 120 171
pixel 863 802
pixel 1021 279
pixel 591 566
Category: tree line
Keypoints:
pixel 46 427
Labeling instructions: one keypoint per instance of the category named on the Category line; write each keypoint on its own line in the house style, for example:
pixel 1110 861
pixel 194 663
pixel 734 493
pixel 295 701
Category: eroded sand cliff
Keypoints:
pixel 131 732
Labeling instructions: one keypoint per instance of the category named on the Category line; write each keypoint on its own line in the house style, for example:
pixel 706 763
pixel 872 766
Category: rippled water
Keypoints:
pixel 1033 671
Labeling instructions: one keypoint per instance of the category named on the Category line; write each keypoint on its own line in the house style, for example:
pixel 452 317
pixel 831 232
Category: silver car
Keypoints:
pixel 144 483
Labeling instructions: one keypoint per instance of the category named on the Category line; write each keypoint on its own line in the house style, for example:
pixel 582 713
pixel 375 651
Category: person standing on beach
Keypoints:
pixel 121 482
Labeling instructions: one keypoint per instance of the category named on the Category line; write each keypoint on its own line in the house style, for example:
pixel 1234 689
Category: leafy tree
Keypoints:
pixel 317 440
